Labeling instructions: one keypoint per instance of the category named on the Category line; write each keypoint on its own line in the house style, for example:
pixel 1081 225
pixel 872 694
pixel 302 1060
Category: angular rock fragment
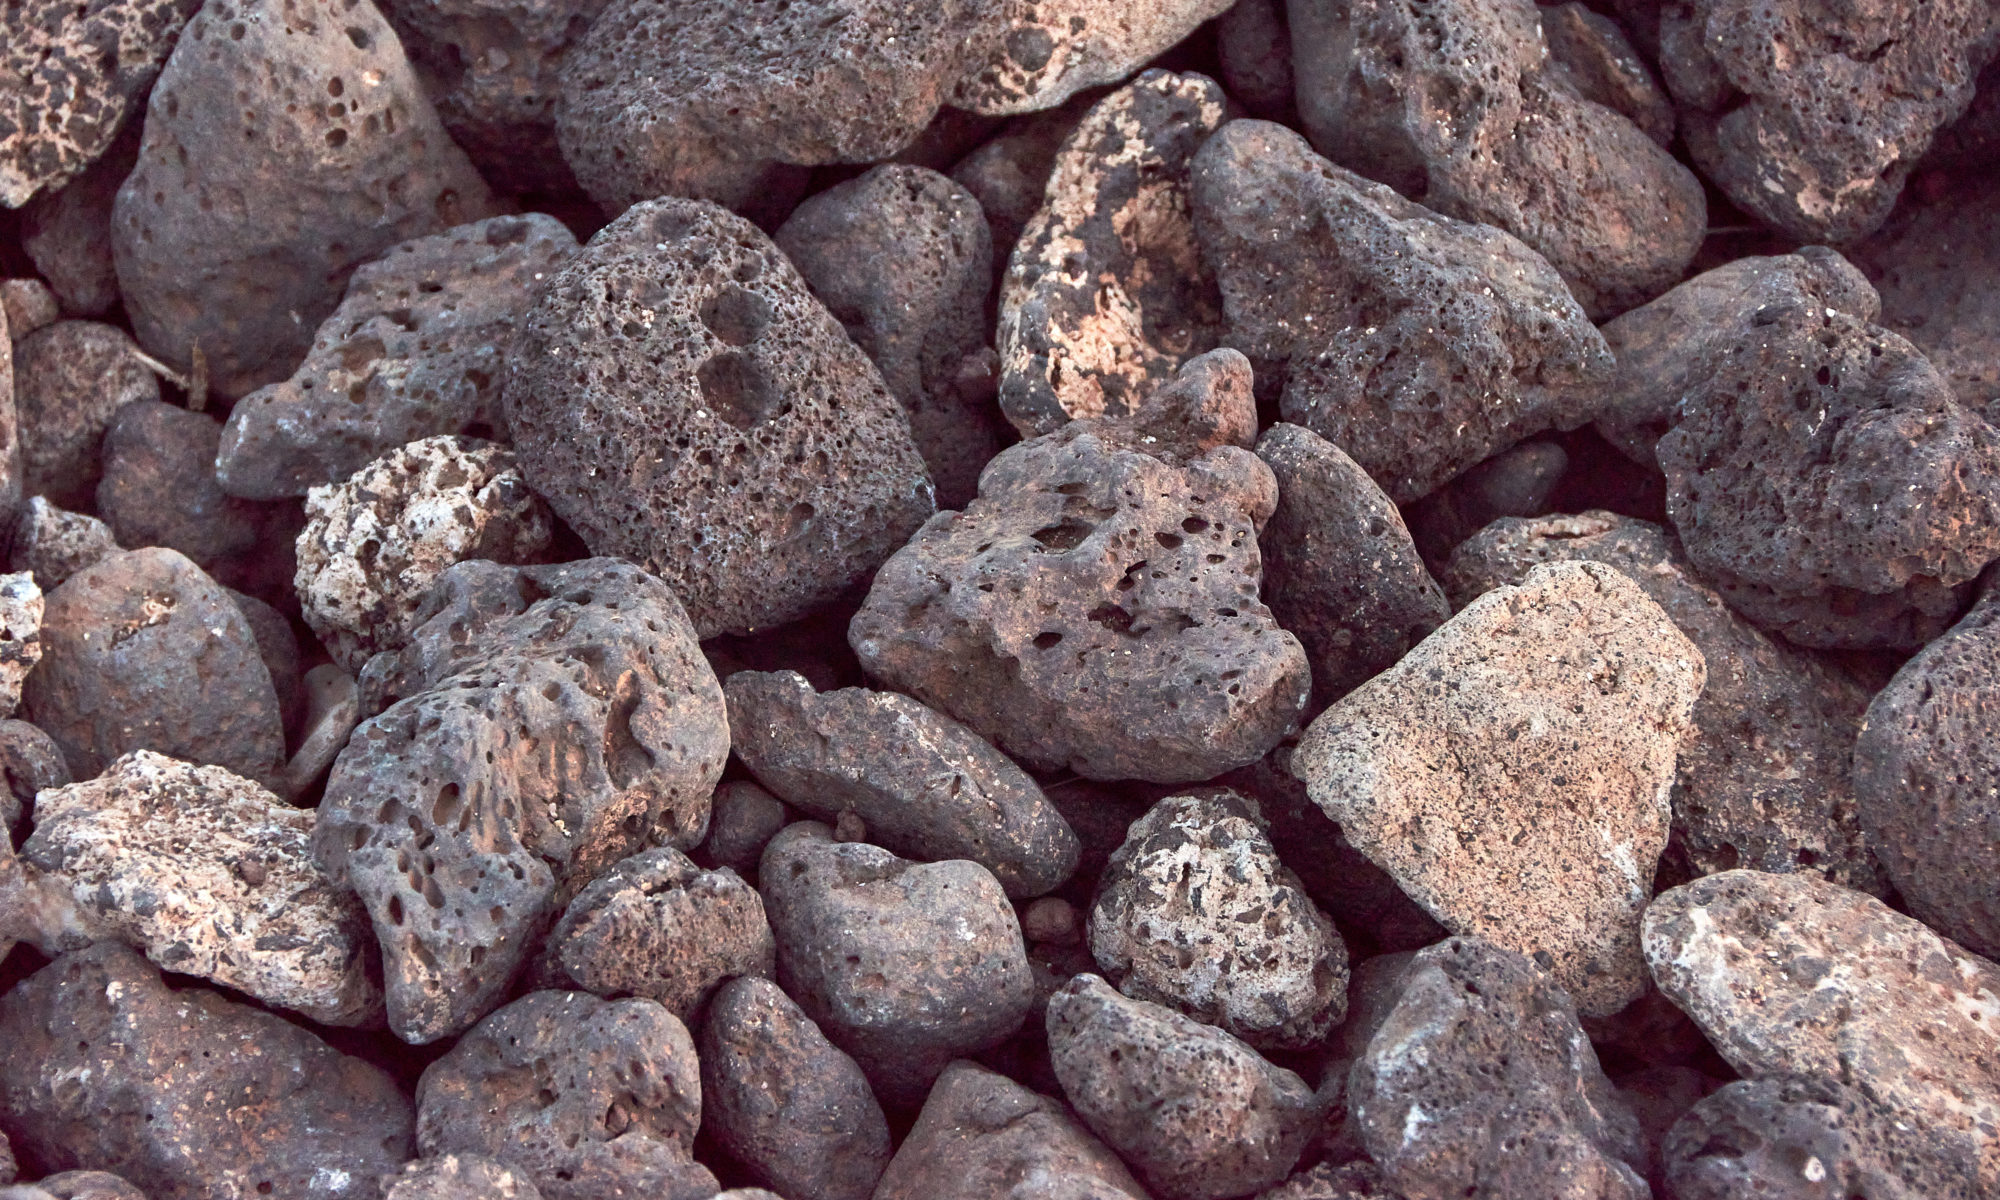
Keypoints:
pixel 29 305
pixel 1046 51
pixel 70 380
pixel 21 607
pixel 459 1177
pixel 54 544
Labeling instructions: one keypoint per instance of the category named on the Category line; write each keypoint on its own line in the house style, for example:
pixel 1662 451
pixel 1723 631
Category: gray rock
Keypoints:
pixel 30 760
pixel 70 380
pixel 743 818
pixel 66 233
pixel 21 607
pixel 1604 67
pixel 1045 51
pixel 55 544
pixel 459 1177
pixel 159 489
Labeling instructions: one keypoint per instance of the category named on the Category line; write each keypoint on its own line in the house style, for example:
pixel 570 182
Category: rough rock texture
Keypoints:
pixel 1513 771
pixel 21 607
pixel 1046 51
pixel 29 305
pixel 925 786
pixel 1517 482
pixel 1106 294
pixel 286 142
pixel 607 733
pixel 159 487
pixel 459 1177
pixel 418 347
pixel 980 1134
pixel 594 1099
pixel 331 711
pixel 54 544
pixel 785 1101
pixel 1340 571
pixel 1810 116
pixel 1009 175
pixel 1196 912
pixel 128 648
pixel 186 1094
pixel 1788 973
pixel 743 818
pixel 1254 45
pixel 904 965
pixel 903 258
pixel 10 431
pixel 67 233
pixel 1416 343
pixel 374 544
pixel 1198 1113
pixel 1480 1082
pixel 70 379
pixel 30 760
pixel 1359 1180
pixel 680 399
pixel 1765 780
pixel 1460 106
pixel 78 1185
pixel 1603 66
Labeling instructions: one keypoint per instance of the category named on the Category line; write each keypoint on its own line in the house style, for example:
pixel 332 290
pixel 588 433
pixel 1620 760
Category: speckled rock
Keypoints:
pixel 1359 1180
pixel 459 1177
pixel 70 379
pixel 82 1185
pixel 904 965
pixel 186 1094
pixel 29 304
pixel 680 399
pixel 1196 1112
pixel 1416 343
pixel 607 731
pixel 1048 50
pixel 1789 973
pixel 10 432
pixel 21 608
pixel 1604 67
pixel 1106 294
pixel 1513 771
pixel 417 348
pixel 1009 175
pixel 785 1101
pixel 285 144
pixel 30 760
pixel 1254 43
pixel 159 487
pixel 54 544
pixel 66 233
pixel 594 1099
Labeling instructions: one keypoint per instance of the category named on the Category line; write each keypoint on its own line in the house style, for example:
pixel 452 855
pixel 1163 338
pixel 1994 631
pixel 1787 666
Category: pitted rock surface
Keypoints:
pixel 54 544
pixel 680 399
pixel 459 1177
pixel 1009 175
pixel 1513 771
pixel 1046 51
pixel 30 760
pixel 286 142
pixel 607 733
pixel 70 380
pixel 67 232
pixel 21 607
pixel 1603 66
pixel 1359 1180
pixel 1417 343
pixel 77 1185
pixel 417 348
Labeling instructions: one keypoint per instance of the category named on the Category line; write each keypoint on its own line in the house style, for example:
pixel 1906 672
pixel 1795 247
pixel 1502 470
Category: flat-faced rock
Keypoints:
pixel 1046 51
pixel 1517 482
pixel 70 379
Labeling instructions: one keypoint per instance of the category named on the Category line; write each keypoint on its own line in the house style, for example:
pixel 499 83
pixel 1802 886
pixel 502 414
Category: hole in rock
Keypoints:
pixel 739 391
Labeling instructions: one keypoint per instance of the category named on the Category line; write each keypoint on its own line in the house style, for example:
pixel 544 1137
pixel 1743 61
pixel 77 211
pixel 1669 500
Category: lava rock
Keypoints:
pixel 10 431
pixel 21 608
pixel 70 379
pixel 67 233
pixel 459 1177
pixel 159 486
pixel 1254 43
pixel 1045 51
pixel 332 710
pixel 1360 1180
pixel 29 305
pixel 1009 175
pixel 743 818
pixel 680 399
pixel 1604 67
pixel 1513 771
pixel 81 1185
pixel 278 646
pixel 1517 482
pixel 30 760
pixel 54 544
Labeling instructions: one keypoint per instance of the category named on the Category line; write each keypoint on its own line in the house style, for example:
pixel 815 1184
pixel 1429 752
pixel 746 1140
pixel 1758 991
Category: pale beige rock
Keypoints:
pixel 20 636
pixel 1049 50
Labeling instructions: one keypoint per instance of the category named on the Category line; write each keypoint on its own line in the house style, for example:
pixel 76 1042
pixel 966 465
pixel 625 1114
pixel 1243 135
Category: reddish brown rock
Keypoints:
pixel 459 1177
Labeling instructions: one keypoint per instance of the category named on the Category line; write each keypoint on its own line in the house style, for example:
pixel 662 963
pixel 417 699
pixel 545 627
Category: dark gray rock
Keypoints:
pixel 67 232
pixel 1517 482
pixel 1604 67
pixel 1045 51
pixel 70 379
pixel 742 819
pixel 30 760
pixel 1254 42
pixel 159 487
pixel 55 544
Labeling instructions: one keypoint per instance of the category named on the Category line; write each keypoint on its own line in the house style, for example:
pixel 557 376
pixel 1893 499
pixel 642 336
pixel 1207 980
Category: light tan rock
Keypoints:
pixel 1049 50
pixel 20 636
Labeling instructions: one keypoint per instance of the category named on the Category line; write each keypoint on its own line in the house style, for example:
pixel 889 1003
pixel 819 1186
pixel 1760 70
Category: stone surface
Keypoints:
pixel 459 1177
pixel 743 818
pixel 1106 294
pixel 187 1094
pixel 1513 771
pixel 1009 175
pixel 332 710
pixel 680 399
pixel 1788 973
pixel 418 347
pixel 159 487
pixel 926 787
pixel 29 305
pixel 1254 43
pixel 1417 343
pixel 54 544
pixel 30 760
pixel 21 607
pixel 1196 1112
pixel 1046 51
pixel 84 1185
pixel 594 1099
pixel 286 142
pixel 66 233
pixel 1360 1180
pixel 70 380
pixel 1517 482
pixel 1603 66
pixel 607 733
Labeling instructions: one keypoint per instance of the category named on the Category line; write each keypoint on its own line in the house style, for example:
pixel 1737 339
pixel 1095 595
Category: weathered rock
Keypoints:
pixel 29 305
pixel 10 432
pixel 187 1094
pixel 743 818
pixel 1198 1113
pixel 1009 175
pixel 1416 343
pixel 1513 771
pixel 54 544
pixel 459 1177
pixel 680 399
pixel 1361 1180
pixel 1461 107
pixel 278 646
pixel 1254 43
pixel 21 607
pixel 1045 51
pixel 1604 67
pixel 30 760
pixel 594 1099
pixel 159 486
pixel 927 787
pixel 1788 973
pixel 1517 482
pixel 607 733
pixel 84 1185
pixel 332 710
pixel 904 965
pixel 1765 780
pixel 417 348
pixel 70 379
pixel 1106 294
pixel 784 1100
pixel 67 232
pixel 285 144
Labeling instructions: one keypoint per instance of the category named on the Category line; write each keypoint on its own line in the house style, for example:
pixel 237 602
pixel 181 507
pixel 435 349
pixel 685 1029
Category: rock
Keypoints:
pixel 1811 121
pixel 1009 175
pixel 1195 912
pixel 927 787
pixel 21 608
pixel 1765 780
pixel 1106 294
pixel 1340 570
pixel 10 433
pixel 374 544
pixel 278 646
pixel 677 376
pixel 333 709
pixel 159 486
pixel 1462 108
pixel 1513 771
pixel 70 380
pixel 1254 42
pixel 67 232
pixel 87 1185
pixel 594 1099
pixel 54 544
pixel 417 348
pixel 1198 1113
pixel 904 965
pixel 185 1093
pixel 1480 1082
pixel 1605 68
pixel 30 760
pixel 1400 335
pixel 1788 973
pixel 145 652
pixel 743 818
pixel 785 1101
pixel 607 731
pixel 1045 52
pixel 903 258
pixel 1361 1180
pixel 1517 482
pixel 274 162
pixel 74 74
pixel 981 1134
pixel 29 305
pixel 459 1177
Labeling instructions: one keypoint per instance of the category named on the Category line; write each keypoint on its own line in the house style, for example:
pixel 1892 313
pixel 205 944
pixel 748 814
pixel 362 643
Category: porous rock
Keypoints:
pixel 1513 771
pixel 10 431
pixel 1042 52
pixel 66 233
pixel 30 760
pixel 1517 482
pixel 21 607
pixel 159 487
pixel 1009 175
pixel 29 304
pixel 743 818
pixel 70 380
pixel 82 1185
pixel 459 1177
pixel 1358 1180
pixel 53 544
pixel 680 399
pixel 1603 66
